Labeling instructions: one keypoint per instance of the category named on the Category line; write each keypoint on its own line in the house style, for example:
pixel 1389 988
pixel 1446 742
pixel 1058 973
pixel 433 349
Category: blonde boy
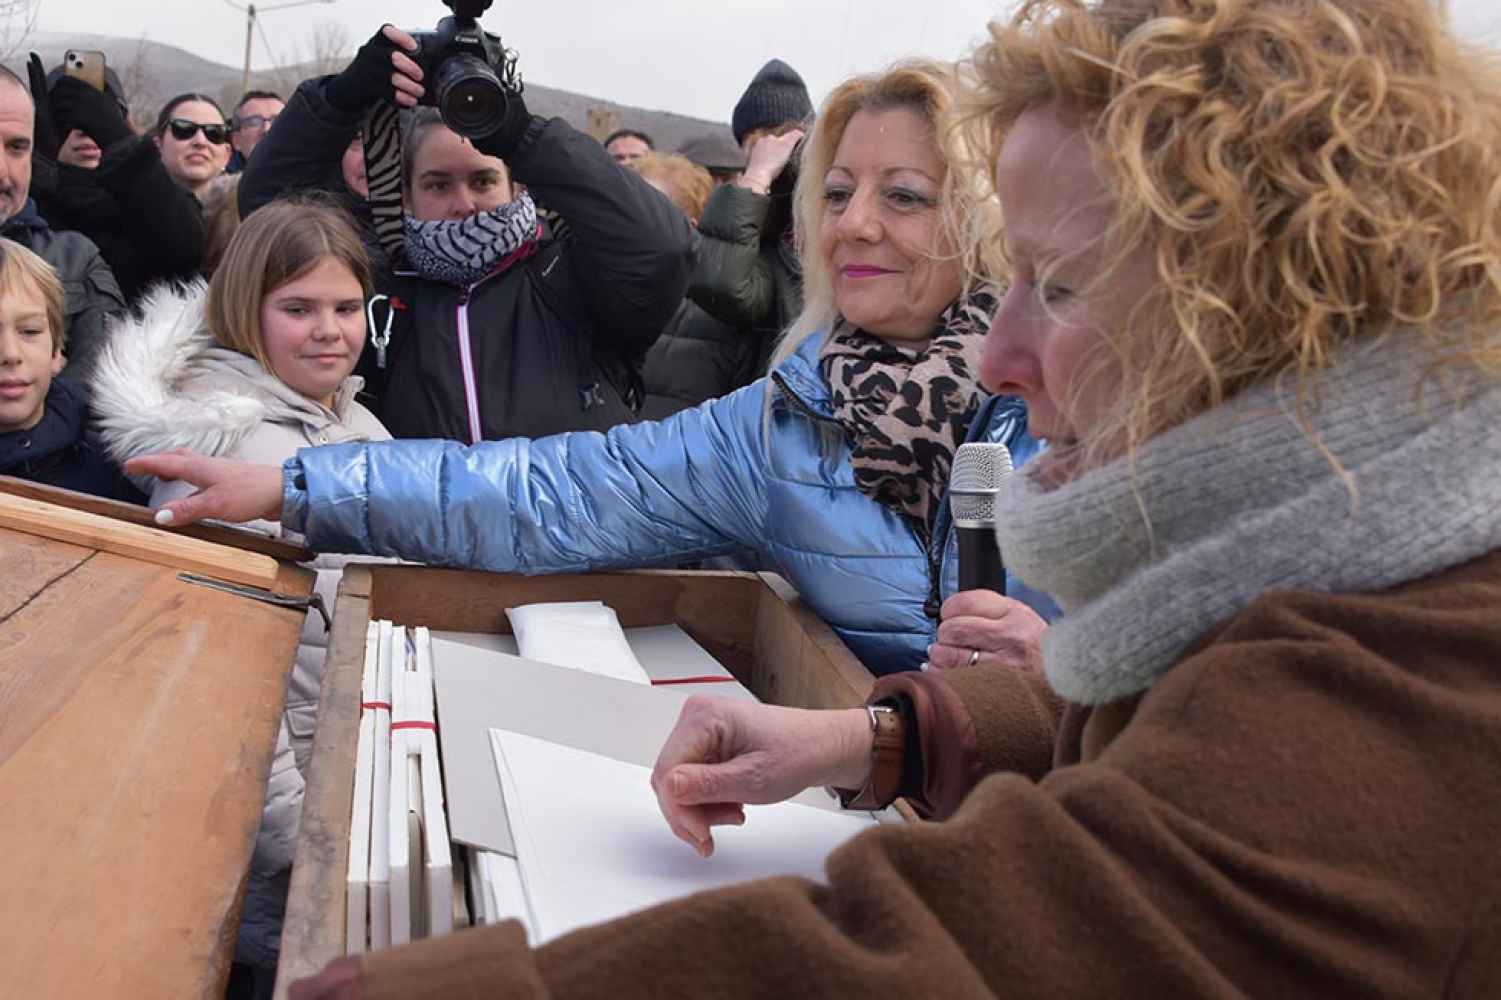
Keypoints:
pixel 43 416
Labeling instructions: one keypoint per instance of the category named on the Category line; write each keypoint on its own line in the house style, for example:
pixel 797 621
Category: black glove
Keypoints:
pixel 44 137
pixel 502 142
pixel 367 80
pixel 76 105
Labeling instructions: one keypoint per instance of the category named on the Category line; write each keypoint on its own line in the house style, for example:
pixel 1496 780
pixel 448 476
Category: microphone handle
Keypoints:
pixel 980 565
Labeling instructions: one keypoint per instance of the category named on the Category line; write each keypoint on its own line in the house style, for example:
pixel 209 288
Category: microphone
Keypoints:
pixel 979 470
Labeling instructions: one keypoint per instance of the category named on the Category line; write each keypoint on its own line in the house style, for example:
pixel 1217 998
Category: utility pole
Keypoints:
pixel 251 12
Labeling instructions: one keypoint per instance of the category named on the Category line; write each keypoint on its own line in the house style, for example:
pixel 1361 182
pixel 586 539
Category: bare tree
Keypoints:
pixel 142 89
pixel 326 49
pixel 17 22
pixel 330 48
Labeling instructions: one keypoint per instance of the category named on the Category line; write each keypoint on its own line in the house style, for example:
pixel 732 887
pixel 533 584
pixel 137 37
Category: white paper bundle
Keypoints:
pixel 584 635
pixel 592 844
pixel 357 881
pixel 420 857
pixel 380 808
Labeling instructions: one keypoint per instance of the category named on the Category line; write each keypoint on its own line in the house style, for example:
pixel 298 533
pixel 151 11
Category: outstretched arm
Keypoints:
pixel 641 494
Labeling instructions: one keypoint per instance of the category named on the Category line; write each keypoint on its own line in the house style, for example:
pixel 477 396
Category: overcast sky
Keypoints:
pixel 689 56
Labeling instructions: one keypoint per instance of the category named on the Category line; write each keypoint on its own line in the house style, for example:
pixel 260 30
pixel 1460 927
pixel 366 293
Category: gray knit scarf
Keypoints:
pixel 1239 503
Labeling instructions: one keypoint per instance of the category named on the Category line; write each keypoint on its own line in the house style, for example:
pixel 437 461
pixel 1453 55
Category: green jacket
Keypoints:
pixel 744 275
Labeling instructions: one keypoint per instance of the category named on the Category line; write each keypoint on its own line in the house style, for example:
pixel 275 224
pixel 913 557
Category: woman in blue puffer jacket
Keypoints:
pixel 834 467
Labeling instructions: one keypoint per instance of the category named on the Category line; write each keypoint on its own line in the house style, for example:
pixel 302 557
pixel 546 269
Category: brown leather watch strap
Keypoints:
pixel 888 744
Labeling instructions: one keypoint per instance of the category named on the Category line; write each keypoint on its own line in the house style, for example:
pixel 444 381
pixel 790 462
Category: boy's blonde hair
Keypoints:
pixel 274 245
pixel 21 270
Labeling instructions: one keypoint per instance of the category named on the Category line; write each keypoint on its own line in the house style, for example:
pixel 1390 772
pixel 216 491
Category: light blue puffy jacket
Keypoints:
pixel 727 475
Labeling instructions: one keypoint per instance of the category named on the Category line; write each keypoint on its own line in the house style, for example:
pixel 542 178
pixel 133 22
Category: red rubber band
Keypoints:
pixel 397 726
pixel 376 704
pixel 716 679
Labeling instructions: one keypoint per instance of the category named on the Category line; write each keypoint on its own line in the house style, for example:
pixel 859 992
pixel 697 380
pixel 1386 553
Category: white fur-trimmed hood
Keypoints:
pixel 135 384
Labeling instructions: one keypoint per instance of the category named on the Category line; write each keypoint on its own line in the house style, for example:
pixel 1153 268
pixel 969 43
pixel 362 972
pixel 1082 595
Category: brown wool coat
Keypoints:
pixel 1308 805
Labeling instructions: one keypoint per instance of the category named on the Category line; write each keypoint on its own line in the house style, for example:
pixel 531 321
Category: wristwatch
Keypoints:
pixel 888 743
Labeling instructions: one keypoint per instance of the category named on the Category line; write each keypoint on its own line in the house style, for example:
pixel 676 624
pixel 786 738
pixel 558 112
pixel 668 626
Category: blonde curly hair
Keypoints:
pixel 1305 171
pixel 968 209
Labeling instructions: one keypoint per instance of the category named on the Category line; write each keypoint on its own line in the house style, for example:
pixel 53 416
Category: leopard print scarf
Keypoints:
pixel 907 410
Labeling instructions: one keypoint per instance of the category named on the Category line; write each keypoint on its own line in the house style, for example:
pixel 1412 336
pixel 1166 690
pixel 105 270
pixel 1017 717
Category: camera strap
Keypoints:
pixel 382 135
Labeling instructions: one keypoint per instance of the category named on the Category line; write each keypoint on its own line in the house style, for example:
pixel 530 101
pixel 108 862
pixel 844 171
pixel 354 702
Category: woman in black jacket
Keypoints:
pixel 113 187
pixel 536 330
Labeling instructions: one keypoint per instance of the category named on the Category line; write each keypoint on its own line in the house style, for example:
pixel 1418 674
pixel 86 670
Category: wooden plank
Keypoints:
pixel 212 531
pixel 313 932
pixel 146 544
pixel 138 716
pixel 465 601
pixel 716 608
pixel 799 659
pixel 31 563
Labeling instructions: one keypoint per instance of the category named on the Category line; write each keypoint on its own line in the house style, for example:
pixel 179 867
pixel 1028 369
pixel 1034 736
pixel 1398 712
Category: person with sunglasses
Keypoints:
pixel 132 194
pixel 193 137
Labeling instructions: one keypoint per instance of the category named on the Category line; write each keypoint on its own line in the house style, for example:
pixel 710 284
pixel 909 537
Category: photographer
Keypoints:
pixel 534 332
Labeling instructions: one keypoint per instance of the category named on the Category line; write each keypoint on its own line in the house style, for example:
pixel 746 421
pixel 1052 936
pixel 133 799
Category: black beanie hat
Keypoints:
pixel 775 97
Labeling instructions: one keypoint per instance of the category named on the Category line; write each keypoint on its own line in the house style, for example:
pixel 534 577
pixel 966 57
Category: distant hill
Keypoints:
pixel 152 73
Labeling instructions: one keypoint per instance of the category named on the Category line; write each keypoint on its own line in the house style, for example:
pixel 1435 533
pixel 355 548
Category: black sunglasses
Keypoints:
pixel 182 130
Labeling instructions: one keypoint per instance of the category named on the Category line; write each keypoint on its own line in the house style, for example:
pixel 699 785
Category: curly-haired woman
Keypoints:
pixel 1257 309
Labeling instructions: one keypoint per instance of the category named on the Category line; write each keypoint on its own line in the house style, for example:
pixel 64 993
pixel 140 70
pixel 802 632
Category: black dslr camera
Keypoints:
pixel 467 73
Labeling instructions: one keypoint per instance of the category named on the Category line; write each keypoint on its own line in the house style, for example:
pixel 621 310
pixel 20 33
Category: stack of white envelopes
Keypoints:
pixel 400 877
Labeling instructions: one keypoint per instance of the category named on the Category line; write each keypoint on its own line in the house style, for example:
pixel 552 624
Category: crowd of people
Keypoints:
pixel 1224 276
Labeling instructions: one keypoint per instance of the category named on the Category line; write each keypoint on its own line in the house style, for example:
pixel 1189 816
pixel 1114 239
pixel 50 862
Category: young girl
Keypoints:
pixel 255 365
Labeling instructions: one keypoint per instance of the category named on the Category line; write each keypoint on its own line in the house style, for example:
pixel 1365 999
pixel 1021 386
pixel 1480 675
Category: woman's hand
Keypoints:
pixel 724 754
pixel 77 106
pixel 381 71
pixel 228 490
pixel 999 629
pixel 768 158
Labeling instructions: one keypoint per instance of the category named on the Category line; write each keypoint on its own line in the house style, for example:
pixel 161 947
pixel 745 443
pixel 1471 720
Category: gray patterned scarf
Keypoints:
pixel 1236 502
pixel 907 410
pixel 463 251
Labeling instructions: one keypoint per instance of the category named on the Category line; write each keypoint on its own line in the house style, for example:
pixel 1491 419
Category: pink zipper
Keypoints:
pixel 466 363
pixel 466 351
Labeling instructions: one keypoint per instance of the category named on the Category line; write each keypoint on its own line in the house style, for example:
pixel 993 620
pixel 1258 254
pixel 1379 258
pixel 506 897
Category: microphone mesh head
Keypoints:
pixel 979 470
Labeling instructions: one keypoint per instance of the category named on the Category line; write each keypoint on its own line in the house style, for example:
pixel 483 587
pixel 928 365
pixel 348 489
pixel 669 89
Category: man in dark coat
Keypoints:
pixel 92 294
pixel 747 273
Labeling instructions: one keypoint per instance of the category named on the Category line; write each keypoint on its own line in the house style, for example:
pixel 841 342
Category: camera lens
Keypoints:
pixel 469 96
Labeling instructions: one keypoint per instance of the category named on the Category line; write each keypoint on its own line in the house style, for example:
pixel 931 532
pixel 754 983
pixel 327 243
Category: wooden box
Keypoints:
pixel 753 624
pixel 139 705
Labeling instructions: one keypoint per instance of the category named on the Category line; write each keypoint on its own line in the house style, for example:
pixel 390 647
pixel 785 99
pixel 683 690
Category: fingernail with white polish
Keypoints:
pixel 163 516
